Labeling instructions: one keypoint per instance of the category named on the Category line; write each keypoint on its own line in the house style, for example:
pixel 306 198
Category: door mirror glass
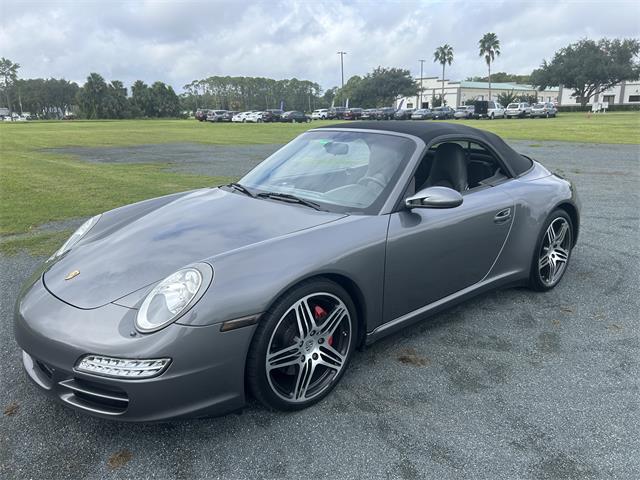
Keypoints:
pixel 435 197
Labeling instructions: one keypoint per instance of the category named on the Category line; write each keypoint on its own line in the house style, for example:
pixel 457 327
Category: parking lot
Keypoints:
pixel 510 385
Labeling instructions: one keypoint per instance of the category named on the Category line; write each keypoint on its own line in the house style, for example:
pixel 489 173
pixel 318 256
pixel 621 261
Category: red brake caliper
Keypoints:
pixel 319 313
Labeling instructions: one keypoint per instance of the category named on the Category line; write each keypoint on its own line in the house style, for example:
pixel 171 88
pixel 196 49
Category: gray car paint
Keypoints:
pixel 398 265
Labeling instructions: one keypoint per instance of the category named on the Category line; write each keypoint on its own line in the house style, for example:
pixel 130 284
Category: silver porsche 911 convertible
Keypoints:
pixel 184 305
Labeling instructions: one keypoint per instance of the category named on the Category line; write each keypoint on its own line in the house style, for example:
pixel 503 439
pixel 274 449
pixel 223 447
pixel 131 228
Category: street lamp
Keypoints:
pixel 342 54
pixel 421 67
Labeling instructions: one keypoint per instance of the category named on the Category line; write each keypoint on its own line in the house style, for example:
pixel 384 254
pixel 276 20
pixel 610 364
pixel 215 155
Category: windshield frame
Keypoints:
pixel 386 202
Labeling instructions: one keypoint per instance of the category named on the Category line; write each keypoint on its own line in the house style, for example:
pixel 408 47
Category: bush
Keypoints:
pixel 505 98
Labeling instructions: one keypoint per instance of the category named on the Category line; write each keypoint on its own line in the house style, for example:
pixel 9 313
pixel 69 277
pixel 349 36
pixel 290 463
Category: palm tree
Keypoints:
pixel 443 55
pixel 490 48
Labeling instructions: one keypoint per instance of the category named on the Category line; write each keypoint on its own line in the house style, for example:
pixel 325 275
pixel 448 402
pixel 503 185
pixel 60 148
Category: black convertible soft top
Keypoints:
pixel 428 131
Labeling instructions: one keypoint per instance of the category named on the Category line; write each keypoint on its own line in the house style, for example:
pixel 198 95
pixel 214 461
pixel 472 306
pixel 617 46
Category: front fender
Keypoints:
pixel 248 280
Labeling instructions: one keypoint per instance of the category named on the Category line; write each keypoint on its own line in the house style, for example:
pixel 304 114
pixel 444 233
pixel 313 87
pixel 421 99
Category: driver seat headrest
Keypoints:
pixel 449 168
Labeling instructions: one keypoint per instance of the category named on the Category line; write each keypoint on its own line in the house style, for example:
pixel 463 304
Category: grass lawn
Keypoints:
pixel 38 187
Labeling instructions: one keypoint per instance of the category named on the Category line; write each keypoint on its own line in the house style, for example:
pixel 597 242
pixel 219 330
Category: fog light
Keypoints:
pixel 122 367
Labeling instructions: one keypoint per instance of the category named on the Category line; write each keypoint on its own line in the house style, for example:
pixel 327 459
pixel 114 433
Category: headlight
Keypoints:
pixel 170 298
pixel 77 235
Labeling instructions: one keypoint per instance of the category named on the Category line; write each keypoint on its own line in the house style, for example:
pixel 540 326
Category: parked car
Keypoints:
pixel 404 114
pixel 201 114
pixel 320 114
pixel 272 115
pixel 294 116
pixel 543 110
pixel 422 114
pixel 464 112
pixel 369 114
pixel 488 109
pixel 229 116
pixel 386 113
pixel 15 118
pixel 337 113
pixel 353 114
pixel 186 304
pixel 241 117
pixel 443 113
pixel 216 116
pixel 519 110
pixel 254 117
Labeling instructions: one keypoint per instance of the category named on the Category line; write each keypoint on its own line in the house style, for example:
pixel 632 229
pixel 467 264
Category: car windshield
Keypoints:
pixel 513 105
pixel 341 171
pixel 539 105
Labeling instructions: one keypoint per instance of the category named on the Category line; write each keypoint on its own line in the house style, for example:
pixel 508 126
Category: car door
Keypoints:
pixel 433 253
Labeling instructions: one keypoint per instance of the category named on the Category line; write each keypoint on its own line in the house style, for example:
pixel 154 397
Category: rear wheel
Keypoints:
pixel 553 251
pixel 302 346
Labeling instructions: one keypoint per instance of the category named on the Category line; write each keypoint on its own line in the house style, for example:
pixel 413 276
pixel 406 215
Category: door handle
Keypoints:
pixel 502 216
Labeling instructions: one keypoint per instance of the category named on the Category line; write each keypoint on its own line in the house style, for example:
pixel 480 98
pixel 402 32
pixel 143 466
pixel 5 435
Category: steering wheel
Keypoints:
pixel 371 179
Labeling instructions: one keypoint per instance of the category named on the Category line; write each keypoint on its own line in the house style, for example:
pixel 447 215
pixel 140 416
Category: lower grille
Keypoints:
pixel 94 397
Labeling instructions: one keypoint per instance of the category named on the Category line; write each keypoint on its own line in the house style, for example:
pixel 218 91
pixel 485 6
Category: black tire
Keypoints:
pixel 536 281
pixel 257 381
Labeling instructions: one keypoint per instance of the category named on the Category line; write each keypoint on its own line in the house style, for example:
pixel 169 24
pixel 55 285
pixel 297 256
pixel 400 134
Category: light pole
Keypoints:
pixel 342 54
pixel 421 67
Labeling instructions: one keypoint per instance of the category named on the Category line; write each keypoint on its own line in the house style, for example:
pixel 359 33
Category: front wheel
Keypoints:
pixel 552 253
pixel 302 346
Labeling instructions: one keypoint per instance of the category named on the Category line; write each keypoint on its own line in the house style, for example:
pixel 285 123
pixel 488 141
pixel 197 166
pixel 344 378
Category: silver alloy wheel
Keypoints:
pixel 309 347
pixel 554 252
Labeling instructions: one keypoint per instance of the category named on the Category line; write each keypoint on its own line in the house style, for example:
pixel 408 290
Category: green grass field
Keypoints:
pixel 38 187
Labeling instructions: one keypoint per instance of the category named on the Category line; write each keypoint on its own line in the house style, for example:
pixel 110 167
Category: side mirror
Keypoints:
pixel 434 197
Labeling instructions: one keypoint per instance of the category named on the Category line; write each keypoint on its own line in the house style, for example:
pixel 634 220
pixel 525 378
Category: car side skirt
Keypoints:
pixel 511 278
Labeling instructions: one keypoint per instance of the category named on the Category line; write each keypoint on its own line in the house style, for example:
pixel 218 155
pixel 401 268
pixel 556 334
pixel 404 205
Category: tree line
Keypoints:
pixel 53 98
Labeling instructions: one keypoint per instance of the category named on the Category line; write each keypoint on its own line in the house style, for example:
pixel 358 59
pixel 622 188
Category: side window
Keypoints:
pixel 483 168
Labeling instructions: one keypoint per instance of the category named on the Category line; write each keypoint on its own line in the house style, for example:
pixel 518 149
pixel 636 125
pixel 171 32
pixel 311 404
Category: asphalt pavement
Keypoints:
pixel 510 385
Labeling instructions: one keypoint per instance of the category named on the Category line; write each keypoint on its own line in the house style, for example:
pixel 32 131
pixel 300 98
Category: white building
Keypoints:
pixel 625 93
pixel 457 93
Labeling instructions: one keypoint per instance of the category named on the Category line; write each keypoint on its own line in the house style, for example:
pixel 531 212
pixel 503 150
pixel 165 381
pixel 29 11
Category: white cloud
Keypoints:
pixel 179 41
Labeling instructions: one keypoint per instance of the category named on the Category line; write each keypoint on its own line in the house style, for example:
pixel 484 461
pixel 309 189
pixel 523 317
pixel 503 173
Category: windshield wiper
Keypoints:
pixel 287 197
pixel 240 188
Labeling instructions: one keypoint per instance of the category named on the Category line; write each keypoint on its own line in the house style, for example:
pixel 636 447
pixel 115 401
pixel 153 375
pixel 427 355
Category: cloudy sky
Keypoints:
pixel 178 41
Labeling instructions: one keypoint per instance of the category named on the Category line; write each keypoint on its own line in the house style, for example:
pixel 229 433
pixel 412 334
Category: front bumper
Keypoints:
pixel 205 377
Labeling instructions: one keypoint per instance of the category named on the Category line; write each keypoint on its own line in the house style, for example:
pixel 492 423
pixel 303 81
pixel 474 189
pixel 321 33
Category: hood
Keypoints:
pixel 146 249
